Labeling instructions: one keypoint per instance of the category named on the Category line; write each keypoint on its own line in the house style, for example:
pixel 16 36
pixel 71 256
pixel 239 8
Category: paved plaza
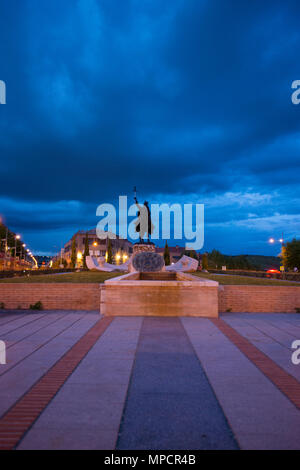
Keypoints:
pixel 74 380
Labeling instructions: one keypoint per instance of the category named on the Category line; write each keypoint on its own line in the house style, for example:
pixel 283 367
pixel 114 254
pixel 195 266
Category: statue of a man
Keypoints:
pixel 144 226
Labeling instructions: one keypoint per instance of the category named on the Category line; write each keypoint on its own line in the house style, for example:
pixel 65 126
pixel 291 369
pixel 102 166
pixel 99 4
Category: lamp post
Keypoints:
pixel 17 237
pixel 281 241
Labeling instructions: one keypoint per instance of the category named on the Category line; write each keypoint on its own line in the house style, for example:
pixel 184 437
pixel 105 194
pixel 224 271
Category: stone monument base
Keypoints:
pixel 159 294
pixel 143 247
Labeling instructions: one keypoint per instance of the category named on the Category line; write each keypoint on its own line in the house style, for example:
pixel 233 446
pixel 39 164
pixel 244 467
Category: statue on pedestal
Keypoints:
pixel 144 226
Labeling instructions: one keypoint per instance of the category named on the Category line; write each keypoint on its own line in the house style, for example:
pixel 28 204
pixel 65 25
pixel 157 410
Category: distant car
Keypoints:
pixel 272 271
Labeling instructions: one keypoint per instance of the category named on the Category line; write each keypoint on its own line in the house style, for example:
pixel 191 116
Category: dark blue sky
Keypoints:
pixel 188 100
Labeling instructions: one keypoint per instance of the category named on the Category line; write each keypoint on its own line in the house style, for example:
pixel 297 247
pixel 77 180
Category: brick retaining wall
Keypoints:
pixel 60 296
pixel 259 298
pixel 67 296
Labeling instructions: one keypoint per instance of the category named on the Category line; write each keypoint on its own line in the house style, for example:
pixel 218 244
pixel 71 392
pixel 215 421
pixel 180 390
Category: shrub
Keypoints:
pixel 37 306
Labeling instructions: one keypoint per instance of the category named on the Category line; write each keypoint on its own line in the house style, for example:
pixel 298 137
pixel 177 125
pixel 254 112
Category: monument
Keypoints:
pixel 144 227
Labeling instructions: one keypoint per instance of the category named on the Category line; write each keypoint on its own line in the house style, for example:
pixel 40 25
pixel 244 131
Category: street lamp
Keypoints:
pixel 79 258
pixel 17 237
pixel 281 240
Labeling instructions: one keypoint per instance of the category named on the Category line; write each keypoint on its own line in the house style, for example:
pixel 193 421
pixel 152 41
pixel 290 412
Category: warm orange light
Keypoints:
pixel 79 255
pixel 118 256
pixel 95 244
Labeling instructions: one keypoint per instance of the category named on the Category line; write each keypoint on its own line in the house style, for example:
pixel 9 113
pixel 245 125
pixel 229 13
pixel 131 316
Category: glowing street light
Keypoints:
pixel 281 240
pixel 79 259
pixel 24 245
pixel 17 237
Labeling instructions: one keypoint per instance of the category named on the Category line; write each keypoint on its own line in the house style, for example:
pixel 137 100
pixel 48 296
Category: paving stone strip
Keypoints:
pixel 19 323
pixel 8 318
pixel 285 382
pixel 18 355
pixel 16 422
pixel 170 403
pixel 26 331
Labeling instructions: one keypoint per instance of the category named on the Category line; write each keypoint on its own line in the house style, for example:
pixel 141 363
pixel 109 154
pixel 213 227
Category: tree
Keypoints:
pixel 57 262
pixel 204 262
pixel 86 250
pixel 291 254
pixel 167 255
pixel 109 252
pixel 73 253
pixel 191 254
pixel 217 259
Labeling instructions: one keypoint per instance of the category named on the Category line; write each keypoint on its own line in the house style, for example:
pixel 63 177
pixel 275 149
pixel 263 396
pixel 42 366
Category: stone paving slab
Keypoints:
pixel 98 388
pixel 16 379
pixel 260 416
pixel 19 322
pixel 170 403
pixel 153 383
pixel 270 336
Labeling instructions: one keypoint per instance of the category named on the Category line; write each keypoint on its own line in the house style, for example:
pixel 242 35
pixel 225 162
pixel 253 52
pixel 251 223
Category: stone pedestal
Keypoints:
pixel 143 247
pixel 159 294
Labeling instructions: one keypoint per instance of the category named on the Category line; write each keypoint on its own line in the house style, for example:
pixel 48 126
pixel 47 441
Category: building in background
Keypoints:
pixel 121 249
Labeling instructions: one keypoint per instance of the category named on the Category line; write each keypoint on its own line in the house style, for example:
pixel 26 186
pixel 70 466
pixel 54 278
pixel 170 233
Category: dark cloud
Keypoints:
pixel 184 99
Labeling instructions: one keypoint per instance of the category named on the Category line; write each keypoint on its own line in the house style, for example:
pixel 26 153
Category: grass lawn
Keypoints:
pixel 227 279
pixel 99 277
pixel 82 277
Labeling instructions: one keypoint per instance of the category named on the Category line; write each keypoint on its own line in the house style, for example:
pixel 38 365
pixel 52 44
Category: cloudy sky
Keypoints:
pixel 189 100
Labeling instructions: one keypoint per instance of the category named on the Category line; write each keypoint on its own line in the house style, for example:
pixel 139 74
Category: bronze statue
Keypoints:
pixel 144 226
